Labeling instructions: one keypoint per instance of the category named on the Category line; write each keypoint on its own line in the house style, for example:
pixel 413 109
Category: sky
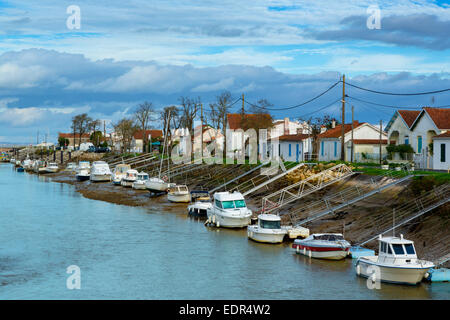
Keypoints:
pixel 285 51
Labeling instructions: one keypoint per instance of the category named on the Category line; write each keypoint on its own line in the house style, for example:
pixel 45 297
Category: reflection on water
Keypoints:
pixel 155 253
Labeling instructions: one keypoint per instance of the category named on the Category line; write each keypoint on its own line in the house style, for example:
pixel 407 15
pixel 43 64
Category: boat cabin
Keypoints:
pixel 131 174
pixel 269 221
pixel 227 200
pixel 122 168
pixel 200 195
pixel 328 237
pixel 396 248
pixel 142 176
pixel 84 165
pixel 179 188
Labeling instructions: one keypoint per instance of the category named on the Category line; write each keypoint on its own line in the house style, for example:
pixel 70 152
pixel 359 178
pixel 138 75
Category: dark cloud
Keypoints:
pixel 418 30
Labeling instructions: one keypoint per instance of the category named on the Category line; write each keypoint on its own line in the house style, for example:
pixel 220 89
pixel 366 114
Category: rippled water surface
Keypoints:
pixel 135 253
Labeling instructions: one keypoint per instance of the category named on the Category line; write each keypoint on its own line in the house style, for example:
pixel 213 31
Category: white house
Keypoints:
pixel 294 147
pixel 366 139
pixel 288 127
pixel 137 142
pixel 441 151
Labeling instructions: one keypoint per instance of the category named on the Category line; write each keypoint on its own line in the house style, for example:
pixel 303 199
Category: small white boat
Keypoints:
pixel 100 172
pixel 71 167
pixel 179 193
pixel 267 230
pixel 396 263
pixel 18 163
pixel 330 246
pixel 119 173
pixel 39 166
pixel 27 164
pixel 229 210
pixel 12 160
pixel 83 171
pixel 157 185
pixel 52 167
pixel 201 204
pixel 129 179
pixel 139 184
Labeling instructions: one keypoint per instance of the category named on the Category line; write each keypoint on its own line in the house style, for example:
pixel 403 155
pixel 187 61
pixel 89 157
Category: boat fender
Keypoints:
pixel 310 253
pixel 218 224
pixel 358 269
pixel 298 249
pixel 304 251
pixel 214 219
pixel 426 275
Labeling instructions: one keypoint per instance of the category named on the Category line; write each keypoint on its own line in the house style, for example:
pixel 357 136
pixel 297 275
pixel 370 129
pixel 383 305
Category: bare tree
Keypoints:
pixel 189 109
pixel 125 128
pixel 94 125
pixel 315 125
pixel 81 124
pixel 174 118
pixel 142 116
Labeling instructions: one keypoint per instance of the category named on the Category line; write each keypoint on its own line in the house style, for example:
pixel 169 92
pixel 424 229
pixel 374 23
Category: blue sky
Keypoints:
pixel 155 50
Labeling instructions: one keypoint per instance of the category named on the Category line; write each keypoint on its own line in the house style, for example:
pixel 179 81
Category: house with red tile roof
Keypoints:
pixel 295 147
pixel 137 142
pixel 74 139
pixel 366 140
pixel 441 151
pixel 418 127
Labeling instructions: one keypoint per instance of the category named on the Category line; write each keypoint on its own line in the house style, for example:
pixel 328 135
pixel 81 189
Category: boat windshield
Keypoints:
pixel 270 224
pixel 398 249
pixel 231 204
pixel 329 237
pixel 410 248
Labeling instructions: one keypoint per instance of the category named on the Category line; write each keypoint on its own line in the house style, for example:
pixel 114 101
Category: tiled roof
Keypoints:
pixel 70 135
pixel 336 132
pixel 369 141
pixel 443 135
pixel 154 133
pixel 440 117
pixel 234 119
pixel 293 137
pixel 409 116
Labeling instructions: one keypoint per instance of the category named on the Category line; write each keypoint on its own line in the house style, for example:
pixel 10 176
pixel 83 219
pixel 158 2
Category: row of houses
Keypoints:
pixel 427 131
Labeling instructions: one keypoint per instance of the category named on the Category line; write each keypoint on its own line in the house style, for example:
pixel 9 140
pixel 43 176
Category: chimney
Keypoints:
pixel 333 124
pixel 286 126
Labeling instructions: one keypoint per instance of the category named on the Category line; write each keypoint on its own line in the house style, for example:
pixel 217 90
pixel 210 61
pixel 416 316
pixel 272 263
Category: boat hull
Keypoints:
pixel 258 234
pixel 127 183
pixel 82 178
pixel 329 253
pixel 156 187
pixel 100 177
pixel 224 221
pixel 139 186
pixel 398 275
pixel 179 198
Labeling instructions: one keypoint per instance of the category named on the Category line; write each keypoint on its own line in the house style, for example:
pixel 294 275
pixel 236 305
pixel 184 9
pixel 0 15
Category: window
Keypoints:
pixel 398 249
pixel 290 150
pixel 409 248
pixel 406 139
pixel 270 224
pixel 383 247
pixel 389 249
pixel 239 203
pixel 419 144
pixel 442 152
pixel 218 204
pixel 321 148
pixel 228 204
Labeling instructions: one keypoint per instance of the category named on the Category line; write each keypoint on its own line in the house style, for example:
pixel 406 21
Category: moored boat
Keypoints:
pixel 229 210
pixel 179 193
pixel 100 172
pixel 331 246
pixel 129 179
pixel 83 171
pixel 52 167
pixel 141 178
pixel 157 185
pixel 201 202
pixel 268 229
pixel 396 262
pixel 119 173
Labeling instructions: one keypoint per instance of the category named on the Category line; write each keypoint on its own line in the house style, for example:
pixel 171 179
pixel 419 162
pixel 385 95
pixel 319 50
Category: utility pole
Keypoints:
pixel 243 104
pixel 353 111
pixel 201 128
pixel 381 128
pixel 343 120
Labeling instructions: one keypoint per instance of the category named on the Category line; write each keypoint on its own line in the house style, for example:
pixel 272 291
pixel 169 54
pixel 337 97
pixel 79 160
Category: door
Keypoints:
pixel 297 152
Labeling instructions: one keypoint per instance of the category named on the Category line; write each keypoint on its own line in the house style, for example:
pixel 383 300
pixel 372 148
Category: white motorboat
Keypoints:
pixel 201 204
pixel 27 164
pixel 129 179
pixel 229 210
pixel 83 171
pixel 100 172
pixel 179 193
pixel 52 167
pixel 119 172
pixel 12 160
pixel 71 167
pixel 396 263
pixel 330 246
pixel 139 184
pixel 157 185
pixel 39 166
pixel 18 163
pixel 268 229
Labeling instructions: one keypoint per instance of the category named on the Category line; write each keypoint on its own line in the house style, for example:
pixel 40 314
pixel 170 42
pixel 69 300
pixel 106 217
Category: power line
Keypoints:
pixel 390 106
pixel 320 109
pixel 298 105
pixel 398 94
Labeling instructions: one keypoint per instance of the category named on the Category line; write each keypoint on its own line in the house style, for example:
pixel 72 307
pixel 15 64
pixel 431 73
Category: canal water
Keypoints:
pixel 135 253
